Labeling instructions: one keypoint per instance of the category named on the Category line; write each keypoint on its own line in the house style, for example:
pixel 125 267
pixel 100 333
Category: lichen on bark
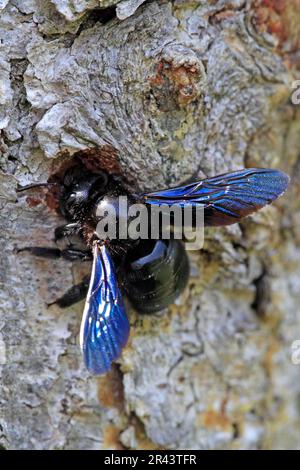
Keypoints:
pixel 172 89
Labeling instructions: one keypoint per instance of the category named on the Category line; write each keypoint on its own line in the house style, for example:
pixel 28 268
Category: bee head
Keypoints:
pixel 79 191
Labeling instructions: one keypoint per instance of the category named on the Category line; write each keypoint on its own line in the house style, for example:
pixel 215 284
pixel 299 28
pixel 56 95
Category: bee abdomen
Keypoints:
pixel 155 273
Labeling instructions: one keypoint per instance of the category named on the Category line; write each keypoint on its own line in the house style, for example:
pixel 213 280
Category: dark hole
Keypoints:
pixel 262 295
pixel 102 15
pixel 236 431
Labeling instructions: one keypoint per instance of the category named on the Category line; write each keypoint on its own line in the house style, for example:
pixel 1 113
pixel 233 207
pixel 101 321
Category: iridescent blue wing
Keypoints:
pixel 105 327
pixel 226 198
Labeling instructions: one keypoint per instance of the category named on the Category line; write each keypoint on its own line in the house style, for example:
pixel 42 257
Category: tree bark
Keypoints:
pixel 167 89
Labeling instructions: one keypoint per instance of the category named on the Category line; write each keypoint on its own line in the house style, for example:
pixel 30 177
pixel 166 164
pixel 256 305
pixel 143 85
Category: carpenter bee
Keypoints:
pixel 152 273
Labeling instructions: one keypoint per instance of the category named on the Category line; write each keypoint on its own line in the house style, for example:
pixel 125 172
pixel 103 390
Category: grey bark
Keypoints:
pixel 172 88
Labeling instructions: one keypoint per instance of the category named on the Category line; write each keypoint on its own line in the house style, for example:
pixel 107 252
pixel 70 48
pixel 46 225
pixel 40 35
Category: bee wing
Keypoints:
pixel 226 198
pixel 105 327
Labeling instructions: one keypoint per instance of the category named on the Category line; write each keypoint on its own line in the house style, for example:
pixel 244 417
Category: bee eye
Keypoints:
pixel 99 185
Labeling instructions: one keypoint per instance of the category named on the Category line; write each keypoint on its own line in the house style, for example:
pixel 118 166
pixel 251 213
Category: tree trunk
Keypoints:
pixel 166 89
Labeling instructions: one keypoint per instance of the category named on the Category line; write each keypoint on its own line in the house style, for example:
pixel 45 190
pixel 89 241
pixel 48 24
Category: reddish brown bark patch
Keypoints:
pixel 281 18
pixel 52 198
pixel 45 195
pixel 110 389
pixel 173 84
pixel 104 158
pixel 111 438
pixel 94 159
pixel 33 201
pixel 213 419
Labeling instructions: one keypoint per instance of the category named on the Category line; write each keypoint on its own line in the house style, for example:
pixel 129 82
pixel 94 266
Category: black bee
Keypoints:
pixel 151 272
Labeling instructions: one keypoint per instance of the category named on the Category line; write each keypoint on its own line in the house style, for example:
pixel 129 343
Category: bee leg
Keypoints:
pixel 43 252
pixel 73 295
pixel 65 231
pixel 70 254
pixel 73 254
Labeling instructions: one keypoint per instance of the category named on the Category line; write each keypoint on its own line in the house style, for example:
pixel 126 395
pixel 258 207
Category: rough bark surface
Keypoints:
pixel 169 88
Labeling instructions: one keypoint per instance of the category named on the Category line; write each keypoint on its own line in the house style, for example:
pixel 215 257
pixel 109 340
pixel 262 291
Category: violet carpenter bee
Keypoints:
pixel 152 273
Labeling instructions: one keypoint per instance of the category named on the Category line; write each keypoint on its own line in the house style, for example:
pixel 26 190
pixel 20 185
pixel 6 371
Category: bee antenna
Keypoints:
pixel 34 185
